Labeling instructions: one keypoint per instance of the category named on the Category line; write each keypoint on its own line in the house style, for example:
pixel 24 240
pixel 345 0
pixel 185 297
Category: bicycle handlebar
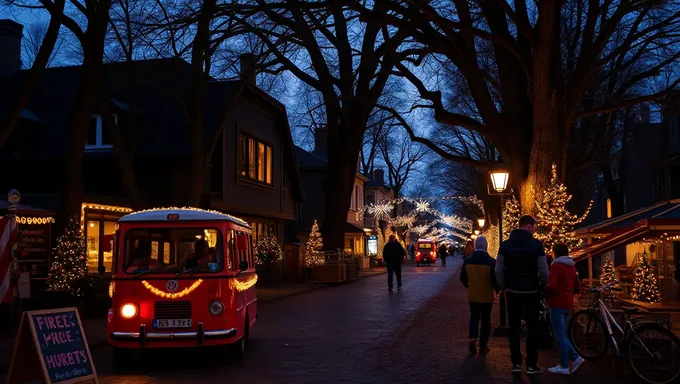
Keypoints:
pixel 606 287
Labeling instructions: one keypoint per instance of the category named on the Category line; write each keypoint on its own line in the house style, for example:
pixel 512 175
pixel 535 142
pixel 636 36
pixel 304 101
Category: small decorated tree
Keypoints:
pixel 69 263
pixel 511 214
pixel 268 249
pixel 314 246
pixel 609 274
pixel 645 285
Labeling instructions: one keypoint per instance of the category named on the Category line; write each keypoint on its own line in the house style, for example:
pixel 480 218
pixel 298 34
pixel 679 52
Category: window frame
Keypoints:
pixel 243 141
pixel 99 134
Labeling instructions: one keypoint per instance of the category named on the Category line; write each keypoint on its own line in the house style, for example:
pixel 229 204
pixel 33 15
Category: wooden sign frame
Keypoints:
pixel 21 368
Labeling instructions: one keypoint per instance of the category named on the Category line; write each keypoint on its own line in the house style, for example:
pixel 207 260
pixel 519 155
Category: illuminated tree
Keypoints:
pixel 511 214
pixel 268 249
pixel 314 246
pixel 609 274
pixel 645 285
pixel 69 263
pixel 556 223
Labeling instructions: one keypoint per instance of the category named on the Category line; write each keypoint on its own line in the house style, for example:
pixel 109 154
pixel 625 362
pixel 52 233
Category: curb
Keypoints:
pixel 296 293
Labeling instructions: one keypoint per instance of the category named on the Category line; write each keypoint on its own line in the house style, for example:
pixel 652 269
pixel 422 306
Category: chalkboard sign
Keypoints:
pixel 58 344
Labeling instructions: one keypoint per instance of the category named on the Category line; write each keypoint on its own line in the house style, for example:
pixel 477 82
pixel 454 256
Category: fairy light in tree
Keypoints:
pixel 69 258
pixel 511 215
pixel 609 274
pixel 172 295
pixel 313 248
pixel 556 223
pixel 645 284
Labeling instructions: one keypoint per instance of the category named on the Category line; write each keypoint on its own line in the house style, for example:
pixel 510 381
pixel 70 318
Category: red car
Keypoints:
pixel 426 252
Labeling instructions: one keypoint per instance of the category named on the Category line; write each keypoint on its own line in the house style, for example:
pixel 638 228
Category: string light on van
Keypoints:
pixel 227 216
pixel 168 295
pixel 112 289
pixel 245 284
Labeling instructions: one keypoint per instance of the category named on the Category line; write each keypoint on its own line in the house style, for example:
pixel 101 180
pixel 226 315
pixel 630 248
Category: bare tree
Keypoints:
pixel 348 64
pixel 402 158
pixel 33 41
pixel 535 70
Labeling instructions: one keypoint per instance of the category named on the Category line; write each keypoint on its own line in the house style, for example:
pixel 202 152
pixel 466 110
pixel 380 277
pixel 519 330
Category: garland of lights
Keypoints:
pixel 112 289
pixel 226 216
pixel 245 284
pixel 176 295
pixel 34 220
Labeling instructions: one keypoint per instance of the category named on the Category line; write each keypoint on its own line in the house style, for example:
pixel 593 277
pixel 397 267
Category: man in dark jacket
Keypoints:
pixel 393 253
pixel 443 252
pixel 522 271
pixel 479 277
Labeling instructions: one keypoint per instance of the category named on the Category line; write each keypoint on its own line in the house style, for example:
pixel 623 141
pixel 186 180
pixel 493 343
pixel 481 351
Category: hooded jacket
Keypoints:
pixel 479 277
pixel 521 266
pixel 562 285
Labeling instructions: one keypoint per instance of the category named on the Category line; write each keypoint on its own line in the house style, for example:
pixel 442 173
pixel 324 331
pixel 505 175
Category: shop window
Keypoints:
pixel 609 208
pixel 92 246
pixel 255 159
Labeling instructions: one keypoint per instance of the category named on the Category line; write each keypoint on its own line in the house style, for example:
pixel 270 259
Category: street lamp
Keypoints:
pixel 476 232
pixel 481 221
pixel 499 180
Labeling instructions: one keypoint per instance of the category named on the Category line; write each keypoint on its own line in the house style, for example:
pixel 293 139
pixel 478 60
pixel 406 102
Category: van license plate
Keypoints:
pixel 171 323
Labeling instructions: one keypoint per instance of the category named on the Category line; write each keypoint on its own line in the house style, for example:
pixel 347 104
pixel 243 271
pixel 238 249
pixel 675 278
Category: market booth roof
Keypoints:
pixel 621 224
pixel 658 221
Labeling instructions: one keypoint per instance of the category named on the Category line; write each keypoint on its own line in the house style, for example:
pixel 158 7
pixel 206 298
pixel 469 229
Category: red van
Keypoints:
pixel 426 252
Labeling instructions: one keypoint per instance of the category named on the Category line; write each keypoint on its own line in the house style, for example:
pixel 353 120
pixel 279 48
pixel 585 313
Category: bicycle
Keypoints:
pixel 646 344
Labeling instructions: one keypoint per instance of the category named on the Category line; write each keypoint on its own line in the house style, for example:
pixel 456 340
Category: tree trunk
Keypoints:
pixel 93 49
pixel 33 76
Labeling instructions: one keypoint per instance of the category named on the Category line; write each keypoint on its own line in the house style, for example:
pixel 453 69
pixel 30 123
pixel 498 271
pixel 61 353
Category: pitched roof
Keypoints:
pixel 309 160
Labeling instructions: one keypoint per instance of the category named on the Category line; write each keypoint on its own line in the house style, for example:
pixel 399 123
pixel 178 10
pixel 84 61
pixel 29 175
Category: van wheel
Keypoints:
pixel 239 347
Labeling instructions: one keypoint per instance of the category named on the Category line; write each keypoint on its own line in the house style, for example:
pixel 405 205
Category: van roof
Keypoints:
pixel 183 214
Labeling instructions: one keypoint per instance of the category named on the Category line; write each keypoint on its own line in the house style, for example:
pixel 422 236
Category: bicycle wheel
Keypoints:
pixel 654 355
pixel 588 334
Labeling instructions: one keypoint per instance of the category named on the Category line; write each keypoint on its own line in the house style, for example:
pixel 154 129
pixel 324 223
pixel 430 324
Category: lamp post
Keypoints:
pixel 481 221
pixel 499 183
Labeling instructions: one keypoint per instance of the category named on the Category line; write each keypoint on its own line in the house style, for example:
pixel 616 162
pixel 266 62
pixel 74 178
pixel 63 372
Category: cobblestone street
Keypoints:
pixel 356 333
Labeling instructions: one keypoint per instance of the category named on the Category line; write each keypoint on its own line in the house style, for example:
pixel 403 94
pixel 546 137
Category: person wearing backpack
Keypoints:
pixel 563 284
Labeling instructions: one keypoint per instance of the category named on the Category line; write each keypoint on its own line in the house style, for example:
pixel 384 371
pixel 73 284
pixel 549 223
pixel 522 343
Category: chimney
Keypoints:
pixel 379 176
pixel 247 62
pixel 644 113
pixel 10 47
pixel 320 142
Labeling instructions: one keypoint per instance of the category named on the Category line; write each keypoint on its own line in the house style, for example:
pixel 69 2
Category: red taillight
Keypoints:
pixel 418 253
pixel 431 253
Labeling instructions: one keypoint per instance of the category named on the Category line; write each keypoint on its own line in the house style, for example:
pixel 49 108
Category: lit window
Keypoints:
pixel 609 208
pixel 255 159
pixel 95 134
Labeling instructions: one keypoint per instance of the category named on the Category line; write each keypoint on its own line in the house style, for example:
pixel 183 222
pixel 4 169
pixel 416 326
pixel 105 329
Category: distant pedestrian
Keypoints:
pixel 393 254
pixel 522 271
pixel 443 252
pixel 479 277
pixel 412 251
pixel 562 285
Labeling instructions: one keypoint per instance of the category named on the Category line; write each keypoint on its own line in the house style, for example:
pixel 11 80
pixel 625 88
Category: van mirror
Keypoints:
pixel 243 265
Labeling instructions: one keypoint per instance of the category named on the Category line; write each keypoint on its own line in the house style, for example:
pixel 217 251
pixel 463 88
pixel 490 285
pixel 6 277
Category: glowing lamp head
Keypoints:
pixel 128 311
pixel 476 232
pixel 481 221
pixel 499 180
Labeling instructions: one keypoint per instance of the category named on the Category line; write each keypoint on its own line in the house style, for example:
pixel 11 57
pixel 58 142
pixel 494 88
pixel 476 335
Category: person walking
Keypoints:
pixel 522 271
pixel 562 285
pixel 443 252
pixel 393 253
pixel 479 277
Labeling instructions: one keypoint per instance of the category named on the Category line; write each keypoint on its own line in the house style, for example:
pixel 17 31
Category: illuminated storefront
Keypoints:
pixel 98 223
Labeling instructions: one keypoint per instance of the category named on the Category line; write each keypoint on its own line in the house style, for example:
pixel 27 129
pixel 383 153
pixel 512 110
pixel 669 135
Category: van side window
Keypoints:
pixel 251 262
pixel 230 250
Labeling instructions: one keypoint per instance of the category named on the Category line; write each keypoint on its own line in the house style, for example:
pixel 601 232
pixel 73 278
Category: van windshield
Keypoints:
pixel 173 250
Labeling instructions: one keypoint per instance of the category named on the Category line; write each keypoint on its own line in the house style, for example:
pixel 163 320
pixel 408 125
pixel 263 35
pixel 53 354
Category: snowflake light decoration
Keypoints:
pixel 381 210
pixel 420 229
pixel 422 206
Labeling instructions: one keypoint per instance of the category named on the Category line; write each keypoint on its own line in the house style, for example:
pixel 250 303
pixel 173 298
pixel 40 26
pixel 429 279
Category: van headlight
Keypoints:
pixel 128 311
pixel 216 307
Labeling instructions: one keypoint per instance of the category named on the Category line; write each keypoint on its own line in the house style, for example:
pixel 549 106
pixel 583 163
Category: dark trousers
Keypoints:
pixel 525 305
pixel 443 260
pixel 480 311
pixel 393 269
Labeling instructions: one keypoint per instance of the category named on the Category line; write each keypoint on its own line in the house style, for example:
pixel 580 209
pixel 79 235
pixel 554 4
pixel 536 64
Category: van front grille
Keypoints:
pixel 172 310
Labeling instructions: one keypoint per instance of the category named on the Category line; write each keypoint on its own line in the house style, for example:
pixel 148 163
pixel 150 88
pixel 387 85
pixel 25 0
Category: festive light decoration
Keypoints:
pixel 99 207
pixel 555 222
pixel 422 206
pixel 381 211
pixel 645 284
pixel 609 274
pixel 268 249
pixel 34 220
pixel 493 243
pixel 112 289
pixel 69 258
pixel 313 256
pixel 170 295
pixel 511 214
pixel 242 285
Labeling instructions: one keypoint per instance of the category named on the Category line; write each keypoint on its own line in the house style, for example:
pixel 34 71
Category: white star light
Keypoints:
pixel 422 206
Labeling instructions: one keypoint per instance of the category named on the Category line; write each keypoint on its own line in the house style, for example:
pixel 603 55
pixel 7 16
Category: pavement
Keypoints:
pixel 353 333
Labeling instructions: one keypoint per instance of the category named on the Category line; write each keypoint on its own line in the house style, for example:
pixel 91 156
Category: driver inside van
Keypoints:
pixel 142 258
pixel 196 258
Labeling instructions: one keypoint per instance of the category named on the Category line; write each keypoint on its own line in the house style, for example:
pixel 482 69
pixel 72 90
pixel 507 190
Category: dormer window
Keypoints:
pixel 95 134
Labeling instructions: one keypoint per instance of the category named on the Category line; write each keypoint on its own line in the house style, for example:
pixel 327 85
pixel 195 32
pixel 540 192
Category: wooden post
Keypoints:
pixel 590 264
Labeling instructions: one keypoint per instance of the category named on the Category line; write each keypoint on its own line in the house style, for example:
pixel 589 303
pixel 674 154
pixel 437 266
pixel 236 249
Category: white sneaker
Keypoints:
pixel 576 363
pixel 559 370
